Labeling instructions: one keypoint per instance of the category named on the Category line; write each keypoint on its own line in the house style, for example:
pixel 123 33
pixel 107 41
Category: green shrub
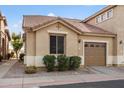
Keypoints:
pixel 74 62
pixel 21 57
pixel 30 70
pixel 49 61
pixel 63 62
pixel 1 57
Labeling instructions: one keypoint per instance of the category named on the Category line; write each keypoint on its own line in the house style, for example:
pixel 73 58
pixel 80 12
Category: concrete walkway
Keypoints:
pixel 56 79
pixel 4 67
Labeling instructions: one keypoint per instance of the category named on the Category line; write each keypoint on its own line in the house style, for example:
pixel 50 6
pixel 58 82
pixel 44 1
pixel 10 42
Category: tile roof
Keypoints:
pixel 84 27
pixel 36 20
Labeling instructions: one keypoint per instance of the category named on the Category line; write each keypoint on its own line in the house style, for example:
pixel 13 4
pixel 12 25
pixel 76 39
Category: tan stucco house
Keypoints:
pixel 98 40
pixel 111 18
pixel 4 36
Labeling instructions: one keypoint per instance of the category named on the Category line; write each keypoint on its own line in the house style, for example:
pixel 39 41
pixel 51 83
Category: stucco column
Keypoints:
pixel 30 49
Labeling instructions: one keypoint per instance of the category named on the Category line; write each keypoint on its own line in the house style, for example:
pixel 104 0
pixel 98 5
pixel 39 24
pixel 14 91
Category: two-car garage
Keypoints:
pixel 94 54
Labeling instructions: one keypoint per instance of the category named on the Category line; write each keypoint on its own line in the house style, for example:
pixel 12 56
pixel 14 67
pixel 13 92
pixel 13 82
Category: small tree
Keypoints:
pixel 17 43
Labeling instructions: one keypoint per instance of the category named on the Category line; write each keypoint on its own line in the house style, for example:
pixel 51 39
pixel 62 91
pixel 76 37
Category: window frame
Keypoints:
pixel 57 35
pixel 104 16
pixel 98 19
pixel 109 13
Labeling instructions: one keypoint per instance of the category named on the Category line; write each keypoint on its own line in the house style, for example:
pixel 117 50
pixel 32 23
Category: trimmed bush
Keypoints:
pixel 63 62
pixel 30 70
pixel 1 57
pixel 49 62
pixel 74 62
pixel 21 57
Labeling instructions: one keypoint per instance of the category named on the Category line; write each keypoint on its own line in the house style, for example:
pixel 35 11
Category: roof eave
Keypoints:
pixel 27 29
pixel 100 34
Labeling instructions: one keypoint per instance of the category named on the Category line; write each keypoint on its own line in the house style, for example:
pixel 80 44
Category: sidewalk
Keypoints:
pixel 54 80
pixel 50 78
pixel 4 67
pixel 45 81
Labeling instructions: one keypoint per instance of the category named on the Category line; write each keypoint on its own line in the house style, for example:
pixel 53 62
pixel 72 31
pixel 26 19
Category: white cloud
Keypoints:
pixel 51 14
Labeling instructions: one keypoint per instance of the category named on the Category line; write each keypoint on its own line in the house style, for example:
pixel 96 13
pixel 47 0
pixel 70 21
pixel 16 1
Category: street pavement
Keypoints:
pixel 100 84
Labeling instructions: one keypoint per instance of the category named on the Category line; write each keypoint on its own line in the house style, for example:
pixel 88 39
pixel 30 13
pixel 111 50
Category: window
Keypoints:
pixel 97 45
pixel 56 44
pixel 86 45
pixel 92 45
pixel 98 19
pixel 104 16
pixel 52 44
pixel 101 17
pixel 109 13
pixel 103 45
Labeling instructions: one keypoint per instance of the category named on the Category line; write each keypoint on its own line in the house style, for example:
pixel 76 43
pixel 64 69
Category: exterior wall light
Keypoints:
pixel 79 41
pixel 121 42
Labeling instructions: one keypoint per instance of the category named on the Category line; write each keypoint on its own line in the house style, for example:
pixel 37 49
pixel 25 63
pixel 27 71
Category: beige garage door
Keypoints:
pixel 95 54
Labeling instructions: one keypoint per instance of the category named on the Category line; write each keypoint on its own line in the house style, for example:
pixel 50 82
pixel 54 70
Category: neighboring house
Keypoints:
pixel 4 37
pixel 111 18
pixel 54 35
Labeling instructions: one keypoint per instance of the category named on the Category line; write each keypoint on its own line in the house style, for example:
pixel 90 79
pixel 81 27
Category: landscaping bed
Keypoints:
pixel 17 71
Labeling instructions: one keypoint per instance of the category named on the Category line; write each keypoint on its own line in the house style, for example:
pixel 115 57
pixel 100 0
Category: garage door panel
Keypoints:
pixel 95 53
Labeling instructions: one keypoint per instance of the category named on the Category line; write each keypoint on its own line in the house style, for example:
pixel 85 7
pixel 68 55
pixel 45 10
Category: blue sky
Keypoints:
pixel 14 14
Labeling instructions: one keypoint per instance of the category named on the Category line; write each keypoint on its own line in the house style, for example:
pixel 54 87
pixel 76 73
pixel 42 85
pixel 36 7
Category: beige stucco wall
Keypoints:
pixel 43 43
pixel 100 39
pixel 30 43
pixel 42 40
pixel 37 44
pixel 30 48
pixel 115 24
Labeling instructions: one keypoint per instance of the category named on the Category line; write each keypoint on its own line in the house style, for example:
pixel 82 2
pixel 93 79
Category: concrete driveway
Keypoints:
pixel 107 70
pixel 13 76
